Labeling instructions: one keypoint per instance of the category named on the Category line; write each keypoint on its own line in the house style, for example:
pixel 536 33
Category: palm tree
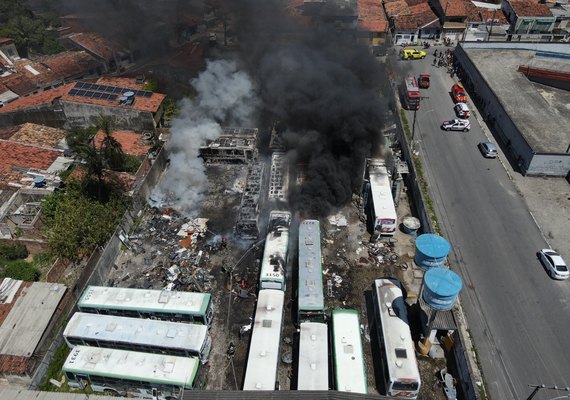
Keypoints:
pixel 111 149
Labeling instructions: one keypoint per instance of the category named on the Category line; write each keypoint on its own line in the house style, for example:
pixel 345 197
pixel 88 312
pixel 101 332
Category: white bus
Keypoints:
pixel 274 261
pixel 263 358
pixel 145 303
pixel 136 334
pixel 379 200
pixel 131 374
pixel 399 364
pixel 310 296
pixel 313 372
pixel 349 369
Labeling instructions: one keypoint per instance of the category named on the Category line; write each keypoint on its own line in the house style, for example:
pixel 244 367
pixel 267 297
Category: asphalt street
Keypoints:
pixel 518 316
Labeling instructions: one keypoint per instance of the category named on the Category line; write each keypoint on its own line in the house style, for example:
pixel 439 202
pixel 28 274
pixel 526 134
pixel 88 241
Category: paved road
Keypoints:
pixel 519 317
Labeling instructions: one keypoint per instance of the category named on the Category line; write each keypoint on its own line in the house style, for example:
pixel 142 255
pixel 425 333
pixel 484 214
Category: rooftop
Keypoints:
pixel 28 319
pixel 371 16
pixel 529 8
pixel 93 43
pixel 70 63
pixel 38 135
pixel 45 97
pixel 108 95
pixel 397 8
pixel 424 15
pixel 131 142
pixel 5 40
pixel 537 110
pixel 455 8
pixel 19 157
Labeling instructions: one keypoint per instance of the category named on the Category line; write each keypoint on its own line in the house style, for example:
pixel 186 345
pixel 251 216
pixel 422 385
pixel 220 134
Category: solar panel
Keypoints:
pixel 147 94
pixel 79 85
pixel 81 92
pixel 112 97
pixel 73 92
pixel 118 90
pixel 87 86
pixel 103 88
pixel 97 95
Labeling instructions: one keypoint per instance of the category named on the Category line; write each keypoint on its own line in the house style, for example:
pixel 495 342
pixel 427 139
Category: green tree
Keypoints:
pixel 76 224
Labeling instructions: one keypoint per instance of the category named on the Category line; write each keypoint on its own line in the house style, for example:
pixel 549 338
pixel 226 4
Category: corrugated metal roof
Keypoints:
pixel 25 325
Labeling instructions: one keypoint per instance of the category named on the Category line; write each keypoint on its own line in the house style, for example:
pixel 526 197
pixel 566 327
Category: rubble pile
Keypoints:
pixel 174 252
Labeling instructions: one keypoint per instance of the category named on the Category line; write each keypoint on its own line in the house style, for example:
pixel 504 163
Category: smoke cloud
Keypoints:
pixel 225 97
pixel 324 89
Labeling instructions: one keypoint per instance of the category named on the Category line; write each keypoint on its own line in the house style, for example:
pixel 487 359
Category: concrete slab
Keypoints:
pixel 540 112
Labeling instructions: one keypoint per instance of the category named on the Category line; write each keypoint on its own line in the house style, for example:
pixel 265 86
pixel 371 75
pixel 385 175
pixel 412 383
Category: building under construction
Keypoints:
pixel 247 226
pixel 234 146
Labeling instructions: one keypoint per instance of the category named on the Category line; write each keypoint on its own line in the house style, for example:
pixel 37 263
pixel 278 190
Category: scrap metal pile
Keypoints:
pixel 175 251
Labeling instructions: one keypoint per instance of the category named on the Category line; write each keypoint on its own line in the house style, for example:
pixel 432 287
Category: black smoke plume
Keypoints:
pixel 325 90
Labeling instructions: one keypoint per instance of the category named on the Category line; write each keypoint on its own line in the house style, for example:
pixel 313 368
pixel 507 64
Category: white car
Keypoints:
pixel 456 125
pixel 554 264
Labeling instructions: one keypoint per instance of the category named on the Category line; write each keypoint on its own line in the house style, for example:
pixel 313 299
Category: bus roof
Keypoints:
pixel 412 84
pixel 313 357
pixel 132 365
pixel 263 355
pixel 276 246
pixel 381 190
pixel 400 352
pixel 310 269
pixel 349 359
pixel 149 332
pixel 147 300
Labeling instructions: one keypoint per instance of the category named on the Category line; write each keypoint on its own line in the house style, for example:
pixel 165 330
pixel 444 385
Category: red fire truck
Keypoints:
pixel 411 93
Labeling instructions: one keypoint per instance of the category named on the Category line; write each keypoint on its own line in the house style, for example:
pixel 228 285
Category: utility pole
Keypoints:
pixel 491 29
pixel 543 386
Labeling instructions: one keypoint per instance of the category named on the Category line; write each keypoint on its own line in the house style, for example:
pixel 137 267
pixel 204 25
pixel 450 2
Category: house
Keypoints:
pixel 453 16
pixel 41 108
pixel 121 100
pixel 485 22
pixel 412 20
pixel 8 51
pixel 529 20
pixel 372 26
pixel 25 77
pixel 341 14
pixel 132 143
pixel 112 57
pixel 29 311
pixel 81 104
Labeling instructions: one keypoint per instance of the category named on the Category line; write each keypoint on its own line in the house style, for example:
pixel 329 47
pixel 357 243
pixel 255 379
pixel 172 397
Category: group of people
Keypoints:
pixel 443 58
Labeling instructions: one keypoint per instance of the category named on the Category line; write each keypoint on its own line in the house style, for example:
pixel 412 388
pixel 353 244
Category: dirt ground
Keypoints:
pixel 155 247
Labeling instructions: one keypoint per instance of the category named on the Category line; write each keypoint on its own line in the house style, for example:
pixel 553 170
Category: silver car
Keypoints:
pixel 488 149
pixel 554 264
pixel 456 125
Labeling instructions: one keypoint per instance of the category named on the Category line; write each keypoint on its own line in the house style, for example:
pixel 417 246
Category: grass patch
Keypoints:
pixel 54 370
pixel 420 177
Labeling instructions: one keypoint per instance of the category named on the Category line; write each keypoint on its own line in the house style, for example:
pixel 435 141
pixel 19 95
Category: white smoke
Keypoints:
pixel 225 97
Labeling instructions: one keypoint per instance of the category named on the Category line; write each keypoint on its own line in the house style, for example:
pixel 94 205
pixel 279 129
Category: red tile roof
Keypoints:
pixel 120 81
pixel 45 97
pixel 25 156
pixel 405 23
pixel 17 365
pixel 38 135
pixel 371 16
pixel 5 40
pixel 480 14
pixel 424 15
pixel 94 43
pixel 130 141
pixel 455 8
pixel 19 84
pixel 396 8
pixel 70 63
pixel 530 8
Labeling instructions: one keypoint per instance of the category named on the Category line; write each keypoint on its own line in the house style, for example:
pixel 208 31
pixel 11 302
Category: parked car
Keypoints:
pixel 554 264
pixel 456 125
pixel 423 81
pixel 488 149
pixel 461 110
pixel 413 54
pixel 458 93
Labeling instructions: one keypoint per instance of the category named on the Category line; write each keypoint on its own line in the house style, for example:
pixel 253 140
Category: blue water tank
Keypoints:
pixel 441 287
pixel 431 251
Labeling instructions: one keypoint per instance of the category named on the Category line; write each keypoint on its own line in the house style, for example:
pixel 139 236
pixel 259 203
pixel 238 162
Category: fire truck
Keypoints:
pixel 411 93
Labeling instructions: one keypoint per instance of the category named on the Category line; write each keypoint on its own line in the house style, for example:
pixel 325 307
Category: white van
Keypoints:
pixel 461 110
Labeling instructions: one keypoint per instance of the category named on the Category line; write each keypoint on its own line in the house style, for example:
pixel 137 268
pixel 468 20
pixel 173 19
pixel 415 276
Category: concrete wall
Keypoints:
pixel 42 115
pixel 559 48
pixel 84 115
pixel 506 133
